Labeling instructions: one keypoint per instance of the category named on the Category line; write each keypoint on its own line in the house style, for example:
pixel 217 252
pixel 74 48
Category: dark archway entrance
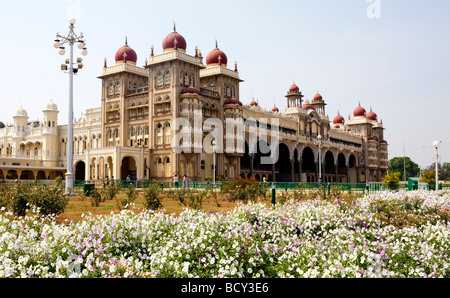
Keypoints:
pixel 128 168
pixel 330 169
pixel 80 171
pixel 27 175
pixel 308 165
pixel 342 169
pixel 353 170
pixel 283 165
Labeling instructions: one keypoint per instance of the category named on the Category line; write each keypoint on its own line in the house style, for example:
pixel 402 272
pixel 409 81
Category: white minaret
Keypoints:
pixel 20 123
pixel 50 146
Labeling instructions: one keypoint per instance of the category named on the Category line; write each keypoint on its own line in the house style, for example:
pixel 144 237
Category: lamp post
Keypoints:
pixel 319 138
pixel 214 162
pixel 71 38
pixel 436 145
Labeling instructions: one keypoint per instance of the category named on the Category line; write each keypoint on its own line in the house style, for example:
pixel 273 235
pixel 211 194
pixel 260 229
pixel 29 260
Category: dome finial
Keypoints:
pixel 126 41
pixel 174 27
pixel 217 46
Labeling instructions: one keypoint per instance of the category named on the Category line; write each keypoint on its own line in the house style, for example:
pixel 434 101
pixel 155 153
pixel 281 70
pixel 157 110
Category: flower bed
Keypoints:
pixel 312 238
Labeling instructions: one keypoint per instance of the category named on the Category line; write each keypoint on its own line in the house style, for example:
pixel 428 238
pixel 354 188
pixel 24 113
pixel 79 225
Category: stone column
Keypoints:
pixel 293 170
pixel 252 158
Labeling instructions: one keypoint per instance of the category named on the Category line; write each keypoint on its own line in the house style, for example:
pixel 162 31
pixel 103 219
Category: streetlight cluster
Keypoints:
pixel 437 145
pixel 71 39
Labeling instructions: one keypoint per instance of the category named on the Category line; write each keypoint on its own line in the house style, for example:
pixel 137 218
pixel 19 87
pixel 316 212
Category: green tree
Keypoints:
pixel 398 164
pixel 430 178
pixel 444 170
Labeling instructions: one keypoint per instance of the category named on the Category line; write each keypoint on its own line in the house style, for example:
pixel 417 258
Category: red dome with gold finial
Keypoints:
pixel 126 54
pixel 232 101
pixel 294 88
pixel 318 97
pixel 372 116
pixel 359 111
pixel 339 120
pixel 253 103
pixel 217 56
pixel 275 110
pixel 174 41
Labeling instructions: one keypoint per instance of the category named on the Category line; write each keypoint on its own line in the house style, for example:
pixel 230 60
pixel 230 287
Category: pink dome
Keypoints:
pixel 213 57
pixel 318 97
pixel 191 91
pixel 169 41
pixel 294 88
pixel 253 103
pixel 126 54
pixel 338 119
pixel 359 111
pixel 372 116
pixel 232 101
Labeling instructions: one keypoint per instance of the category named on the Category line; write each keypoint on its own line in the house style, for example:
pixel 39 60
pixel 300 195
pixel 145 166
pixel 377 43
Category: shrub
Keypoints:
pixel 215 195
pixel 180 194
pixel 392 180
pixel 245 190
pixel 196 199
pixel 131 196
pixel 152 198
pixel 20 198
pixel 49 200
pixel 5 196
pixel 111 190
pixel 96 197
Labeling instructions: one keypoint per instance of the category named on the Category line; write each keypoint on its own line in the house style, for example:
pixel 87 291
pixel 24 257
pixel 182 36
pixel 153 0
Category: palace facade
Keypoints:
pixel 135 132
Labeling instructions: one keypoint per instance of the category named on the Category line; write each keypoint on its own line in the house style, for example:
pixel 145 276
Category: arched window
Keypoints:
pixel 168 77
pixel 146 131
pixel 117 87
pixel 159 134
pixel 167 134
pixel 160 79
pixel 140 131
pixel 133 132
pixel 111 89
pixel 186 79
pixel 167 168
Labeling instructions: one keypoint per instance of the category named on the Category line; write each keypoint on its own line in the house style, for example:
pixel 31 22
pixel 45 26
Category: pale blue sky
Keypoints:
pixel 398 64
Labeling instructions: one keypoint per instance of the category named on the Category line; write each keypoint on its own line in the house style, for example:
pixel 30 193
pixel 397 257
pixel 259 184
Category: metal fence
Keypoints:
pixel 286 186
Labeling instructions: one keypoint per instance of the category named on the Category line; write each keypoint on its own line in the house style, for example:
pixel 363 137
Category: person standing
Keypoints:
pixel 175 179
pixel 185 181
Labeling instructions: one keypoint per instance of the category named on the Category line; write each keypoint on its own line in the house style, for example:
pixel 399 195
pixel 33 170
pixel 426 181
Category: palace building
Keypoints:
pixel 134 131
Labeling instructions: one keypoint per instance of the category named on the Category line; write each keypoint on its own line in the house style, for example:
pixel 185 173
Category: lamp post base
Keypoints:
pixel 70 185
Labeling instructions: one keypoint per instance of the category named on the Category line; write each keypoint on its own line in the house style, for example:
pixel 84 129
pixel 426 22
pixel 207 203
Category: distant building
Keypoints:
pixel 133 131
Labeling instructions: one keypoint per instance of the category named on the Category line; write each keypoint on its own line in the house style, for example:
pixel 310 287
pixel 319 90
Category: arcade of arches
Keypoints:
pixel 300 165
